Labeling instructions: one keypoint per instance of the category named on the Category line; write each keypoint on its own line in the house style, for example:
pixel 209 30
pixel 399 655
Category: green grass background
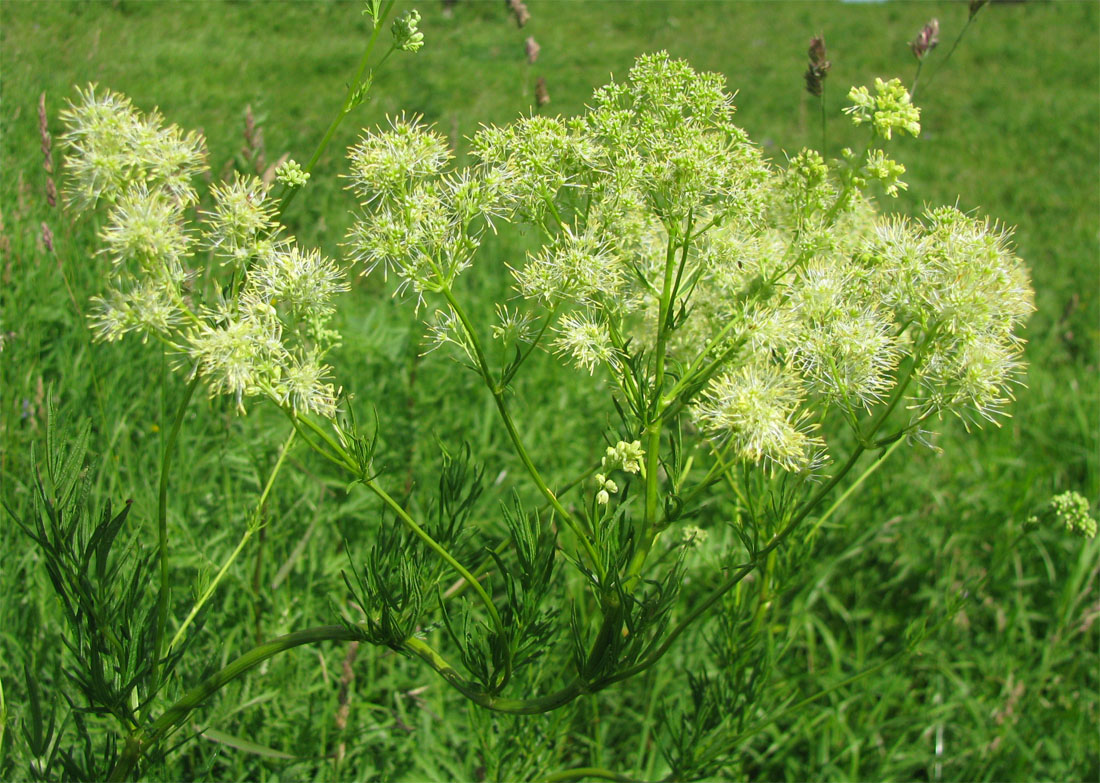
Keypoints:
pixel 1006 691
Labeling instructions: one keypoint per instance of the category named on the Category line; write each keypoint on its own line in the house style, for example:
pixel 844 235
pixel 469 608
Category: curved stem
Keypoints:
pixel 143 740
pixel 162 518
pixel 535 706
pixel 253 526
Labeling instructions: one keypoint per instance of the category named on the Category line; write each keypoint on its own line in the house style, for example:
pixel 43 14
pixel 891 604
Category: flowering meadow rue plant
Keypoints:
pixel 757 327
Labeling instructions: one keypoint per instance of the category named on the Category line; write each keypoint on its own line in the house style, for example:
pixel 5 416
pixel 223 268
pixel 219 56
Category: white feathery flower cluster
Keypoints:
pixel 578 267
pixel 147 227
pixel 755 408
pixel 585 339
pixel 512 326
pixel 270 337
pixel 955 279
pixel 667 235
pixel 241 218
pixel 415 223
pixel 389 163
pixel 113 147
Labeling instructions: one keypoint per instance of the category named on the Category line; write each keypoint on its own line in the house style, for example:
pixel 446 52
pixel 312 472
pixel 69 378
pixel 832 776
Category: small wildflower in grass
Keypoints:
pixel 693 536
pixel 1069 510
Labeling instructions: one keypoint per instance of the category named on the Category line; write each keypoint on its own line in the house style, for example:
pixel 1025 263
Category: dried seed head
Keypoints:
pixel 819 66
pixel 926 39
pixel 542 97
pixel 532 48
pixel 47 151
pixel 817 52
pixel 44 132
pixel 519 10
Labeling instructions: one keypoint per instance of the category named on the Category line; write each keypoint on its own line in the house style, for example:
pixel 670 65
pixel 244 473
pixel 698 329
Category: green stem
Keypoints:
pixel 345 108
pixel 587 772
pixel 853 487
pixel 253 526
pixel 340 457
pixel 507 378
pixel 143 740
pixel 916 79
pixel 535 706
pixel 645 531
pixel 513 433
pixel 436 547
pixel 947 58
pixel 162 518
pixel 739 573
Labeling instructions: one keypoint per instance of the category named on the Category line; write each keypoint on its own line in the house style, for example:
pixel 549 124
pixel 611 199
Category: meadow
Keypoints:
pixel 1003 685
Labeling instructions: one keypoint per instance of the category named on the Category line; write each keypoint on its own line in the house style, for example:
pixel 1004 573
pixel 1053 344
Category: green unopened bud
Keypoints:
pixel 290 174
pixel 405 35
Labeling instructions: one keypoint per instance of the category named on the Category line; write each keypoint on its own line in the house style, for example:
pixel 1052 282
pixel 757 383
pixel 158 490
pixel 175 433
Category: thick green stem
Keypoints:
pixel 536 706
pixel 646 530
pixel 141 741
pixel 578 773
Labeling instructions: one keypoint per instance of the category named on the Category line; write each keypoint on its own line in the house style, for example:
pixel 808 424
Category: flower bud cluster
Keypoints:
pixel 405 35
pixel 290 173
pixel 269 338
pixel 1069 510
pixel 623 456
pixel 889 109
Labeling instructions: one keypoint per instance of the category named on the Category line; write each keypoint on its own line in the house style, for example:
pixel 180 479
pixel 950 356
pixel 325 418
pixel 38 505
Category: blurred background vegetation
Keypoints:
pixel 1007 690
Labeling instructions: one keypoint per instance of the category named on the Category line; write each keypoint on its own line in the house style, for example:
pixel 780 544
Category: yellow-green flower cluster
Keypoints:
pixel 889 109
pixel 113 147
pixel 1069 510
